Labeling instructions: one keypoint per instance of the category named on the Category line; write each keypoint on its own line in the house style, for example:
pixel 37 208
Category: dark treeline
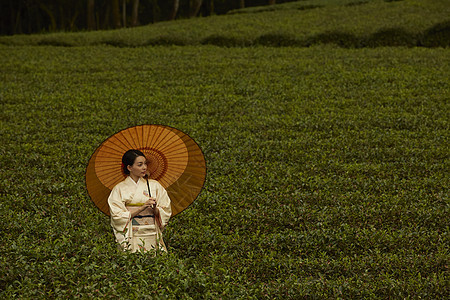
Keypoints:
pixel 34 16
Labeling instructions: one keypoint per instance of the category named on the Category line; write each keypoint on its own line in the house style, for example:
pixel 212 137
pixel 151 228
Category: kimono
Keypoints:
pixel 141 232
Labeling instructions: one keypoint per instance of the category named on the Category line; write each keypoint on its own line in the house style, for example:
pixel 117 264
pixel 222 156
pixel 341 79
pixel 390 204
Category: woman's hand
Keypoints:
pixel 150 202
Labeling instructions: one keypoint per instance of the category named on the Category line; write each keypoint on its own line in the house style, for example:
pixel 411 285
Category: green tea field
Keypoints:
pixel 326 143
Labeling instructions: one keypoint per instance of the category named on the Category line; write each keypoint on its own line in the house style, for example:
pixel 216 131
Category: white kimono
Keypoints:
pixel 141 232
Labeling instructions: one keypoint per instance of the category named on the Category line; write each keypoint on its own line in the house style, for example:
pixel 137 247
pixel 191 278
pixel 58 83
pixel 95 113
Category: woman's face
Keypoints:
pixel 139 168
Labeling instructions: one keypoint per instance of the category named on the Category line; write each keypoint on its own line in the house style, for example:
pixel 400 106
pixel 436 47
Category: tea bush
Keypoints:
pixel 327 171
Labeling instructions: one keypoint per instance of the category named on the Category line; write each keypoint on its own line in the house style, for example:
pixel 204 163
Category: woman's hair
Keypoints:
pixel 128 159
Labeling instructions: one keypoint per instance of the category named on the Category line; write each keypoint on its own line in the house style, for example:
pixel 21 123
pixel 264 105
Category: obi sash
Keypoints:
pixel 145 217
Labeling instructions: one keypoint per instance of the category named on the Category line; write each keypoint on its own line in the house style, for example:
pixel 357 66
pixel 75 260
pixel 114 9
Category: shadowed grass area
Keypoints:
pixel 437 36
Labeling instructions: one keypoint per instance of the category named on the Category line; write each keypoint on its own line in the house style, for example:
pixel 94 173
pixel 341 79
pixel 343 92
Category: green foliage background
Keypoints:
pixel 347 23
pixel 327 167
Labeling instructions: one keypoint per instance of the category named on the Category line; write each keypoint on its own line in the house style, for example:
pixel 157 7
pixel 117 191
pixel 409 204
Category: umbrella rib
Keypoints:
pixel 118 143
pixel 130 144
pixel 158 139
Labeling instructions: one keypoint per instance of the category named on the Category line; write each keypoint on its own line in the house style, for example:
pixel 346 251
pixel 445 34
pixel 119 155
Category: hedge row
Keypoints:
pixel 300 24
pixel 436 36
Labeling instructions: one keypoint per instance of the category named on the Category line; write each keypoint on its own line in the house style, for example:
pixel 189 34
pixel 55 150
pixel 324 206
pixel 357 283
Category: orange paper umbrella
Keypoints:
pixel 174 159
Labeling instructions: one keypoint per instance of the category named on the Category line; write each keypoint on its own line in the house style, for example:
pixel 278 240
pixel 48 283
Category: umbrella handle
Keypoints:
pixel 148 186
pixel 155 210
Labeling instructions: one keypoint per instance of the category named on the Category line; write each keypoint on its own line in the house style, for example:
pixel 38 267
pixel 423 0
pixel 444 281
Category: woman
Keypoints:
pixel 140 208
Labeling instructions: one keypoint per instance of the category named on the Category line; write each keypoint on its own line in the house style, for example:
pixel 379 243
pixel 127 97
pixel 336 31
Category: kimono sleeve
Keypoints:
pixel 120 216
pixel 163 204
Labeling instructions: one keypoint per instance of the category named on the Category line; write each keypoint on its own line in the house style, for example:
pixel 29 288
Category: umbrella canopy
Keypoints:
pixel 173 159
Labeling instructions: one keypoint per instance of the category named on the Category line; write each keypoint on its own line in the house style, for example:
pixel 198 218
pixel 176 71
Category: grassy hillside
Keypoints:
pixel 347 23
pixel 327 167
